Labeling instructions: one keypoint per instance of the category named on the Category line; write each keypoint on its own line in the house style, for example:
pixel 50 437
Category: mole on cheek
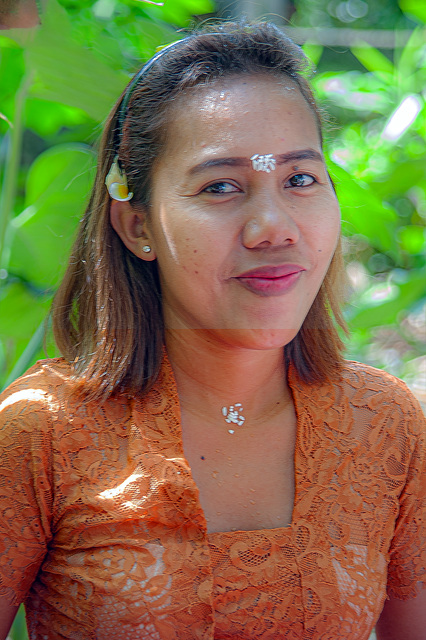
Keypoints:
pixel 195 250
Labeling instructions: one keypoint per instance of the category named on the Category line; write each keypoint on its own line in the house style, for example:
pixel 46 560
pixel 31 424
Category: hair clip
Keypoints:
pixel 116 183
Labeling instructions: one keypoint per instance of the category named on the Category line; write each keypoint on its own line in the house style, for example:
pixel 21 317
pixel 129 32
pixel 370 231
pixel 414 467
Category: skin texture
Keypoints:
pixel 403 619
pixel 204 241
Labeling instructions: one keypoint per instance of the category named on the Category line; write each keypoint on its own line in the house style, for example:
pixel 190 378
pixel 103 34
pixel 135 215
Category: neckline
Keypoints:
pixel 166 388
pixel 250 532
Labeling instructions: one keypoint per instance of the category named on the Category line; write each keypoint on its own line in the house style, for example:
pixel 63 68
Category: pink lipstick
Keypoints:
pixel 271 280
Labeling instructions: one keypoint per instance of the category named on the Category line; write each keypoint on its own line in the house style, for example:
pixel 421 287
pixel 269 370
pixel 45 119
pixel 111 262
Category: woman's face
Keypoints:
pixel 242 252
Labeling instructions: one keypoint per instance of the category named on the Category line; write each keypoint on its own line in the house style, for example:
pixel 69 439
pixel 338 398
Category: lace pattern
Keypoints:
pixel 103 536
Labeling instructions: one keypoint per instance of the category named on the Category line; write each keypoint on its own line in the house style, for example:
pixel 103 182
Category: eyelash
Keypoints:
pixel 287 185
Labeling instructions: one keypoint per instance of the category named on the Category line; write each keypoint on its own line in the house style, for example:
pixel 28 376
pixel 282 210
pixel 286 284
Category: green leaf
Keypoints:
pixel 414 8
pixel 154 35
pixel 21 312
pixel 19 627
pixel 363 212
pixel 73 74
pixel 7 43
pixel 179 12
pixel 412 239
pixel 60 169
pixel 365 92
pixel 372 59
pixel 411 65
pixel 46 118
pixel 313 52
pixel 401 178
pixel 58 187
pixel 12 70
pixel 375 313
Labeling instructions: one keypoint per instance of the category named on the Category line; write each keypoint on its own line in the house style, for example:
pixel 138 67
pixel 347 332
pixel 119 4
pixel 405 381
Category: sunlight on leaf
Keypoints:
pixel 402 118
pixel 6 119
pixel 159 4
pixel 415 8
pixel 58 186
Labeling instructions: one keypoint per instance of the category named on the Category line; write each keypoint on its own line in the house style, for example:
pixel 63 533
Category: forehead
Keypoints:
pixel 237 107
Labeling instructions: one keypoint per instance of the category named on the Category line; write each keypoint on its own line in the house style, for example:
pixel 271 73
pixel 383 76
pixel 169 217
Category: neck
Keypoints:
pixel 211 376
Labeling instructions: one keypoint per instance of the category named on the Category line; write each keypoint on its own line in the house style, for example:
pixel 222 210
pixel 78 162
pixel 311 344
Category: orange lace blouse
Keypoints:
pixel 103 536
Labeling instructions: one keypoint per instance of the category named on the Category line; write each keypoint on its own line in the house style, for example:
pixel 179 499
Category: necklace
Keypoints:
pixel 233 415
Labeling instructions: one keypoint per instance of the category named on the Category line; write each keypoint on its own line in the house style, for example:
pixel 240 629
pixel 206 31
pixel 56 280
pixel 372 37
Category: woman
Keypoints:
pixel 202 463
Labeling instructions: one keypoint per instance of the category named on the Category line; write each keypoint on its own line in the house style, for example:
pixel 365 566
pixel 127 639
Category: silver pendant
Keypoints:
pixel 233 415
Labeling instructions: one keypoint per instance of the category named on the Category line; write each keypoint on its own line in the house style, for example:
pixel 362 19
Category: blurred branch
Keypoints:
pixel 13 158
pixel 342 37
pixel 27 358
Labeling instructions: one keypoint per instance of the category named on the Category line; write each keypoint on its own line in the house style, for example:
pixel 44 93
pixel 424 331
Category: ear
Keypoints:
pixel 130 224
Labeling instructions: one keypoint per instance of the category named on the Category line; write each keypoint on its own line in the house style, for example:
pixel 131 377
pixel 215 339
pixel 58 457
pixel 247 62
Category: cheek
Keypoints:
pixel 173 243
pixel 326 230
pixel 324 237
pixel 189 244
pixel 179 254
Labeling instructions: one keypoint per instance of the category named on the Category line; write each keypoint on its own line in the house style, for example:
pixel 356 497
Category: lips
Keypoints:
pixel 271 280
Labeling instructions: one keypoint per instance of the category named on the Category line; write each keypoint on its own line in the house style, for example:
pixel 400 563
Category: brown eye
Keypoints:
pixel 300 180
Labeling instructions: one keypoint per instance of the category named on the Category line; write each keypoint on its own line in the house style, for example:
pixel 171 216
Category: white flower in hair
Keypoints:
pixel 116 183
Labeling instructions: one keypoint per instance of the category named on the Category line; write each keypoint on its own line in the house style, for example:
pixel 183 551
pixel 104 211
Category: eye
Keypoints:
pixel 221 187
pixel 300 180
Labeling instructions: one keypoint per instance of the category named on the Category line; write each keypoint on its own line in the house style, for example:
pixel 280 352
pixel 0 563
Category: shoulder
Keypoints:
pixel 359 374
pixel 361 398
pixel 41 399
pixel 383 401
pixel 377 386
pixel 30 408
pixel 39 386
pixel 50 383
pixel 42 418
pixel 357 382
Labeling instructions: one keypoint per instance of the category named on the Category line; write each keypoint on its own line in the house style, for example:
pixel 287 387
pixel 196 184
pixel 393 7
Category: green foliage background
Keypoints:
pixel 59 81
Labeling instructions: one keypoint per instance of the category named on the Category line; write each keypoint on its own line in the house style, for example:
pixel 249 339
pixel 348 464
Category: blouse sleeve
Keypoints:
pixel 407 567
pixel 25 484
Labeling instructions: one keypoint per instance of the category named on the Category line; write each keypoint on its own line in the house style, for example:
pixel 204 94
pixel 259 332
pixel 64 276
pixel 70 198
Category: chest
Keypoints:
pixel 245 479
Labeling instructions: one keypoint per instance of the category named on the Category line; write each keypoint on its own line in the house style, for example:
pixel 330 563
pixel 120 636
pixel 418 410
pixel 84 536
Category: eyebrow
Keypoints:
pixel 282 158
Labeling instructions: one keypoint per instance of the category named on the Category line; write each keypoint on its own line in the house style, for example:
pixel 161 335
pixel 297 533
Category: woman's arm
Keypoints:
pixel 403 619
pixel 7 616
pixel 26 493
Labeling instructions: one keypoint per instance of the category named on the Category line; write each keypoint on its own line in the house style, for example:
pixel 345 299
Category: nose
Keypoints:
pixel 270 222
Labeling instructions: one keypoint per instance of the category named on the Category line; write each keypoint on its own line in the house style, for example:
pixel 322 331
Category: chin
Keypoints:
pixel 257 339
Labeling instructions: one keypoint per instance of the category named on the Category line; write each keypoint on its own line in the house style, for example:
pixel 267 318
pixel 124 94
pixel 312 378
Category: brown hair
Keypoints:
pixel 107 313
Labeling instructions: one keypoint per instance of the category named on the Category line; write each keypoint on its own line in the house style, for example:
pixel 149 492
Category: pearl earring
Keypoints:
pixel 146 248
